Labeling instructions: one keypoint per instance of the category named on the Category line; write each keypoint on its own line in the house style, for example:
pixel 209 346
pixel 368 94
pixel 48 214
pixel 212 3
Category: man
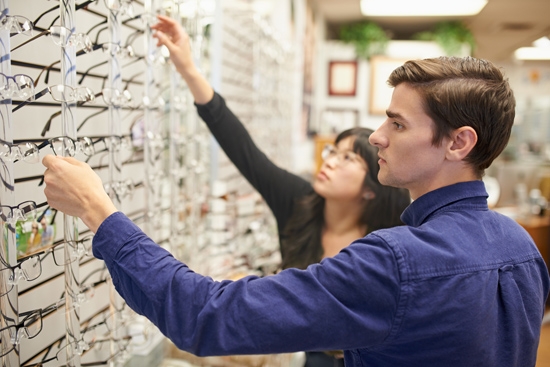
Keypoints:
pixel 459 285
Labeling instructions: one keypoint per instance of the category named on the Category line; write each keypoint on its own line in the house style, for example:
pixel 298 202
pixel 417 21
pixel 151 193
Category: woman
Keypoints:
pixel 345 202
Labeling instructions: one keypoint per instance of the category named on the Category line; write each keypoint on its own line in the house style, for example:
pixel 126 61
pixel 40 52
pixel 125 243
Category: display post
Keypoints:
pixel 70 228
pixel 177 154
pixel 114 89
pixel 8 242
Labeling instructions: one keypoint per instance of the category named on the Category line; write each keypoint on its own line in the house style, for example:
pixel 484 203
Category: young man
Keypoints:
pixel 459 285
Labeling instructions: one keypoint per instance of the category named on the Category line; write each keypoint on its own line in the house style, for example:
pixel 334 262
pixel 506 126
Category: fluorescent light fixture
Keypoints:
pixel 410 8
pixel 542 42
pixel 540 51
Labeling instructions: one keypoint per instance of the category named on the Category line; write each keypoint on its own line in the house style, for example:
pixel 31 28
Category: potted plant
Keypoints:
pixel 451 36
pixel 367 37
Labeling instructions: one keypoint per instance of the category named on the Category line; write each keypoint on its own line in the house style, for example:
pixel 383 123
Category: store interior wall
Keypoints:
pixel 526 158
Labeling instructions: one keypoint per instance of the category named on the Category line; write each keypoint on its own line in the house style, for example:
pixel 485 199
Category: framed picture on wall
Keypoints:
pixel 342 78
pixel 336 120
pixel 380 92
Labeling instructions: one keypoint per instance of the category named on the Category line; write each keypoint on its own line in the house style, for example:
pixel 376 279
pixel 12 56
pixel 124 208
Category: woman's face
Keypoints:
pixel 342 173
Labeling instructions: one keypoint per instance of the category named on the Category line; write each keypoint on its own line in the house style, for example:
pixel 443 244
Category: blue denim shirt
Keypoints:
pixel 459 285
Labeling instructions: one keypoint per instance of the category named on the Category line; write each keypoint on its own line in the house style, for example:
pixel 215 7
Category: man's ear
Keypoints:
pixel 463 140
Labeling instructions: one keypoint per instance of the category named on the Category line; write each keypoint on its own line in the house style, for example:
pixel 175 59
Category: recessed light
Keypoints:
pixel 409 8
pixel 540 51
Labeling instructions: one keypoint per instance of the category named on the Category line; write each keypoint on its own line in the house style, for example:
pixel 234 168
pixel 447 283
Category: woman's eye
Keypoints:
pixel 348 156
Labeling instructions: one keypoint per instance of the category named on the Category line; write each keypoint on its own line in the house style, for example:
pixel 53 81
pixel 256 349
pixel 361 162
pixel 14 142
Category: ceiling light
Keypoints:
pixel 540 51
pixel 408 8
pixel 542 42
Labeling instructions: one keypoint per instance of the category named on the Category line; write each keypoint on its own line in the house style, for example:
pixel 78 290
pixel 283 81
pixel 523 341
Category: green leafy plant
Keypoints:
pixel 367 37
pixel 451 36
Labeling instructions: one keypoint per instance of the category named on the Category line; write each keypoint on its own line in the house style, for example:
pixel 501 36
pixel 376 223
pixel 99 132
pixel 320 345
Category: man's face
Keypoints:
pixel 407 157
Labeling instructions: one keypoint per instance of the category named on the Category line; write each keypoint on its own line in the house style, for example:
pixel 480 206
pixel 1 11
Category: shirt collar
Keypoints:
pixel 416 213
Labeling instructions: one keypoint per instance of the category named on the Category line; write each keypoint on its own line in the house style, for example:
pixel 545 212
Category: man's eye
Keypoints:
pixel 397 125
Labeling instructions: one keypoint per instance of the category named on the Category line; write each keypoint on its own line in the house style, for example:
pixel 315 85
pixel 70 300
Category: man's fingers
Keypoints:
pixel 50 160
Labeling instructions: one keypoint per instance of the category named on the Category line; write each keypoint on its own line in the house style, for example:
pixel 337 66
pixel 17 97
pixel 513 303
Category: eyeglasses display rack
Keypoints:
pixel 84 78
pixel 256 76
pixel 99 52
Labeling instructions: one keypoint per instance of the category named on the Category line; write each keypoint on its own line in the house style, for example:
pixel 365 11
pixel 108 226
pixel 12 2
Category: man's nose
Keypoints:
pixel 375 138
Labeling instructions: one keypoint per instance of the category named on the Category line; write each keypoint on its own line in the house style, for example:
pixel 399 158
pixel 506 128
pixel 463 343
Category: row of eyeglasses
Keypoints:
pixel 28 151
pixel 22 86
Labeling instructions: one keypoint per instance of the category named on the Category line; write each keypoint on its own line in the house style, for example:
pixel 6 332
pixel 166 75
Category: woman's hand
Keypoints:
pixel 170 34
pixel 75 189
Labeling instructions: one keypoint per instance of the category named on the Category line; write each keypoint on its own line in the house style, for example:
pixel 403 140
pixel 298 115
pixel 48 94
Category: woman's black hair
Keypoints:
pixel 301 239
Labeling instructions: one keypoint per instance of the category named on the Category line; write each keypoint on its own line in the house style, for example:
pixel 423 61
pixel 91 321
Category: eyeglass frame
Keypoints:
pixel 83 144
pixel 68 36
pixel 74 95
pixel 77 7
pixel 7 88
pixel 77 145
pixel 79 251
pixel 11 219
pixel 19 30
pixel 29 318
pixel 15 276
pixel 13 152
pixel 330 151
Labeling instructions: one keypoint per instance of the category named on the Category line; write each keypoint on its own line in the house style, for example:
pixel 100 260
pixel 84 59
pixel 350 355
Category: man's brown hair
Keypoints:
pixel 463 92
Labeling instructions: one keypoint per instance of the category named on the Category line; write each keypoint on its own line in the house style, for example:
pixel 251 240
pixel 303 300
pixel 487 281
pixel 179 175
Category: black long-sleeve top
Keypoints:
pixel 278 187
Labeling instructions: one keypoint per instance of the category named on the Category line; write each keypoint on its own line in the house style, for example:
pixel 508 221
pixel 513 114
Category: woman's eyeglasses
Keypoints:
pixel 343 158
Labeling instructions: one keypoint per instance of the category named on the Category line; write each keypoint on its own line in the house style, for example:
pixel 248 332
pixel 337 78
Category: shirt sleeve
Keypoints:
pixel 277 186
pixel 345 302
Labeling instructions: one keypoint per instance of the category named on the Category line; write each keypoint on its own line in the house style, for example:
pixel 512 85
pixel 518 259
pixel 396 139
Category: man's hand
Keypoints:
pixel 75 189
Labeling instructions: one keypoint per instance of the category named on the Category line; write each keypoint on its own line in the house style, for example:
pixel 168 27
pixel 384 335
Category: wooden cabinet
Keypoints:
pixel 320 142
pixel 539 229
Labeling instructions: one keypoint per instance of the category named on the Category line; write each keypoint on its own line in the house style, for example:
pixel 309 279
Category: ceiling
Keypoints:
pixel 499 29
